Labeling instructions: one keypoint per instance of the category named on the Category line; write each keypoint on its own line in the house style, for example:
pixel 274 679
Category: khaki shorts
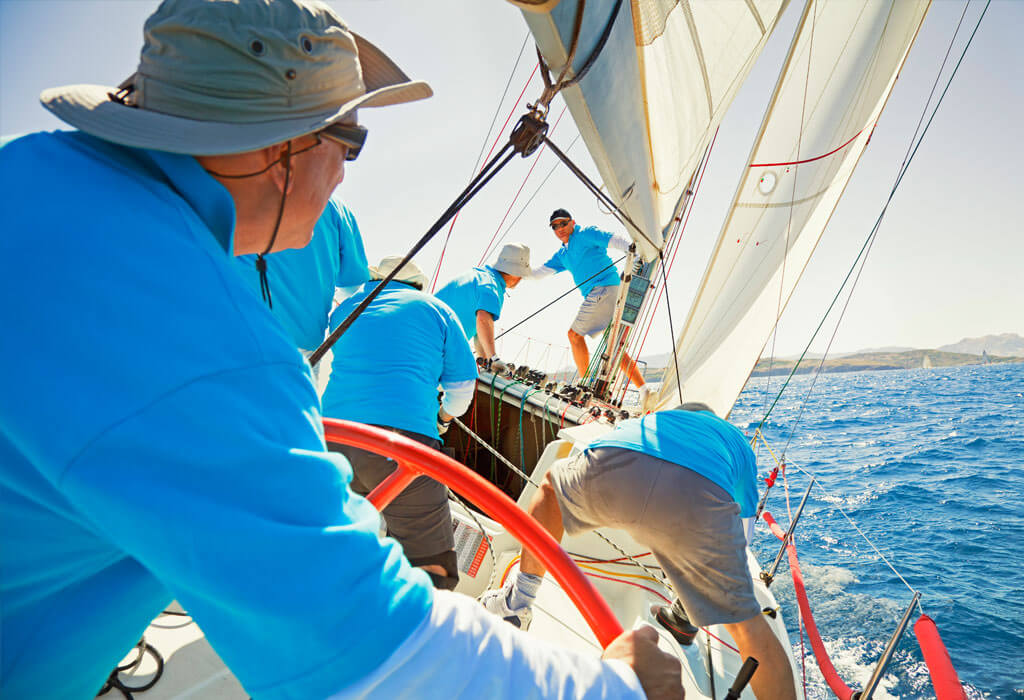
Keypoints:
pixel 690 524
pixel 597 310
pixel 419 517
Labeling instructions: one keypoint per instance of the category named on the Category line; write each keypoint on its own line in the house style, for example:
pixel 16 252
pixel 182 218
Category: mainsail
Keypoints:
pixel 840 70
pixel 657 91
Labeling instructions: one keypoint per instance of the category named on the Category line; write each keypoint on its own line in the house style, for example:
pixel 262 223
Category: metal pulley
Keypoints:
pixel 529 133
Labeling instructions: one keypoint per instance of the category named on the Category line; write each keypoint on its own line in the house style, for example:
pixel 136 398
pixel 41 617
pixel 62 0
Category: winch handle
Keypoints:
pixel 414 459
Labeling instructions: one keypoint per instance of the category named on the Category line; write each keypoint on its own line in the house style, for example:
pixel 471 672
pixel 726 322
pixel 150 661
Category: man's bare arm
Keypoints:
pixel 485 332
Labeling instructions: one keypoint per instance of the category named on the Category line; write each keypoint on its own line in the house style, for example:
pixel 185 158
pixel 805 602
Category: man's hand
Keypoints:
pixel 444 421
pixel 659 672
pixel 497 366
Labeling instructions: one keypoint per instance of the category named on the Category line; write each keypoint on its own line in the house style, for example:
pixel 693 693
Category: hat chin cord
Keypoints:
pixel 261 262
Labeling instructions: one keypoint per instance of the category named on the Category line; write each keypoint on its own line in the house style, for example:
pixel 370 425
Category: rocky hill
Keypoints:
pixel 1005 344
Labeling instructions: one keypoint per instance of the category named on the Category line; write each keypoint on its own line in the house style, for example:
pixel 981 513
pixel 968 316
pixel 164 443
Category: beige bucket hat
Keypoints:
pixel 228 76
pixel 410 272
pixel 514 259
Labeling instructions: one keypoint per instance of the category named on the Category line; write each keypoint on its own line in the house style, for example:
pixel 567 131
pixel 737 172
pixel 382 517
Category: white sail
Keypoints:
pixel 840 70
pixel 660 86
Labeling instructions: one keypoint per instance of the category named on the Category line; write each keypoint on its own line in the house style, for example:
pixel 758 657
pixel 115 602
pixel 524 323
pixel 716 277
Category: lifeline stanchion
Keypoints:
pixel 890 648
pixel 768 576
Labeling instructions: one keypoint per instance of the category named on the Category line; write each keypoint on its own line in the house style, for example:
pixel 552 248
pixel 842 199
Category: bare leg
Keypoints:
pixel 580 354
pixel 544 509
pixel 631 369
pixel 774 677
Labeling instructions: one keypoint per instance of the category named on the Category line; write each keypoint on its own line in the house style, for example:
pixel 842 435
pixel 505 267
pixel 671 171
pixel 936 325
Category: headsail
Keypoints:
pixel 657 91
pixel 839 72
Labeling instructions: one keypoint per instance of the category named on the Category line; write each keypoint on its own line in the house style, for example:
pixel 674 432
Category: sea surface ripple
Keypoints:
pixel 929 465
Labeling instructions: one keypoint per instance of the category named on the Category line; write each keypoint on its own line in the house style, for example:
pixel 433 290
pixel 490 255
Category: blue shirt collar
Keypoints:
pixel 498 279
pixel 207 197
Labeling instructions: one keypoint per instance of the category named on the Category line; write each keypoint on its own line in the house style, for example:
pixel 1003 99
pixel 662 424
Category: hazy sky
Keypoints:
pixel 949 261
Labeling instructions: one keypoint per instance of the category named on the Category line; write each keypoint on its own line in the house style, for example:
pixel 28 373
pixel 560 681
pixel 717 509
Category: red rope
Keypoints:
pixel 828 671
pixel 536 159
pixel 437 270
pixel 809 160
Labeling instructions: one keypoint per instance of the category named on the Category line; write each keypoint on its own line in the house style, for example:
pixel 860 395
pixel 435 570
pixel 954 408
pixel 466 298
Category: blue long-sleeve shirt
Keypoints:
pixel 302 280
pixel 160 438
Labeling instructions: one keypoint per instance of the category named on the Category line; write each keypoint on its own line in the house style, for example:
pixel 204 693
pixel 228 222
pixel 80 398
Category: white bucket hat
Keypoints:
pixel 228 76
pixel 410 272
pixel 514 259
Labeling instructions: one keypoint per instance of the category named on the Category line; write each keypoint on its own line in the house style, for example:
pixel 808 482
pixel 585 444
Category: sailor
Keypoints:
pixel 584 253
pixel 302 282
pixel 678 481
pixel 477 297
pixel 393 384
pixel 189 462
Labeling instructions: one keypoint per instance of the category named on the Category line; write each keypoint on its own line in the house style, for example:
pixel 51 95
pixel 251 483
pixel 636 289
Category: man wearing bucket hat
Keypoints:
pixel 386 372
pixel 188 462
pixel 477 297
pixel 584 253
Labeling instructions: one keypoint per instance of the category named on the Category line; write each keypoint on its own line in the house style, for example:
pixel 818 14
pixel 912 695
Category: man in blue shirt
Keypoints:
pixel 189 460
pixel 584 253
pixel 679 482
pixel 477 297
pixel 386 371
pixel 303 280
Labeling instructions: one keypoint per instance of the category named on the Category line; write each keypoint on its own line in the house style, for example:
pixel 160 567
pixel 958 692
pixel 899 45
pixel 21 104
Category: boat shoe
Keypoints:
pixel 495 601
pixel 677 624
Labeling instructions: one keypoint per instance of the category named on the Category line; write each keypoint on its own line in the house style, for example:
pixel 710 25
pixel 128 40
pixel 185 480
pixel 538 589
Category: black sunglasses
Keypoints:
pixel 352 136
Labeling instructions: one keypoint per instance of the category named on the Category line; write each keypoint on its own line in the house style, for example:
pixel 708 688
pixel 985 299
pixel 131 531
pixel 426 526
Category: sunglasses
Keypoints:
pixel 352 136
pixel 559 224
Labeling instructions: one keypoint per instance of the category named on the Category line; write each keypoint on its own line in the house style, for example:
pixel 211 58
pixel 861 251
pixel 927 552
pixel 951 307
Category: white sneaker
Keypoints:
pixel 495 601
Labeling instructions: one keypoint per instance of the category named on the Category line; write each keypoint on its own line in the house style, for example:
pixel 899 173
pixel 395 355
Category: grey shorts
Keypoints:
pixel 690 524
pixel 597 310
pixel 419 517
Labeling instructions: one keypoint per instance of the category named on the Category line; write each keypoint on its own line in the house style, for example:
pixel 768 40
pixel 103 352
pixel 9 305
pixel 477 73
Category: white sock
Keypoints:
pixel 523 591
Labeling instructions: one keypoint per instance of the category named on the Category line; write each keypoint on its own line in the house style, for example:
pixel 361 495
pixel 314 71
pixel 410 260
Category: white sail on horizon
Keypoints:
pixel 837 77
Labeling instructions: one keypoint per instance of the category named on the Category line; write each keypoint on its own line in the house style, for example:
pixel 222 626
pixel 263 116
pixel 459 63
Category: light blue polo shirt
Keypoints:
pixel 698 440
pixel 387 366
pixel 160 438
pixel 302 280
pixel 586 256
pixel 482 288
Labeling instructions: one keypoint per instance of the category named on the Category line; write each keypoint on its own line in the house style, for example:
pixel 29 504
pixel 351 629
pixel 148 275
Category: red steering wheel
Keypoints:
pixel 414 459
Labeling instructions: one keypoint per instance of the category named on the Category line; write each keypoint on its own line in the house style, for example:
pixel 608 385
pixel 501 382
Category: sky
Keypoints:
pixel 948 262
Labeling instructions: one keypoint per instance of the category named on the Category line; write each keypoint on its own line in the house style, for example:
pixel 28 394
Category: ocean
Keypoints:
pixel 929 465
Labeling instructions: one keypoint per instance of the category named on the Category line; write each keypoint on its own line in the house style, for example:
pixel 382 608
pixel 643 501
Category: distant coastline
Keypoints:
pixel 875 361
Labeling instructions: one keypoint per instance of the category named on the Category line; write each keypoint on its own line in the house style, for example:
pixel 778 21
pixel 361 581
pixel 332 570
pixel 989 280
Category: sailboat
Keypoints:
pixel 647 84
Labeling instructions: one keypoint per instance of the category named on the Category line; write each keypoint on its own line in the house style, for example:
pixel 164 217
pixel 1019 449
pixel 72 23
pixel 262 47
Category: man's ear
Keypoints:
pixel 277 154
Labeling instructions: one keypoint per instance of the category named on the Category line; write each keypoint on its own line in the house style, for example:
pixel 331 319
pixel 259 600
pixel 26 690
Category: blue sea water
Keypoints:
pixel 929 464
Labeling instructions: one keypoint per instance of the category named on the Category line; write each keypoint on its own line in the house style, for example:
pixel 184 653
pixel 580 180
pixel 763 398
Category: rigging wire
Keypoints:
pixel 529 201
pixel 536 159
pixel 606 267
pixel 495 166
pixel 437 270
pixel 878 222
